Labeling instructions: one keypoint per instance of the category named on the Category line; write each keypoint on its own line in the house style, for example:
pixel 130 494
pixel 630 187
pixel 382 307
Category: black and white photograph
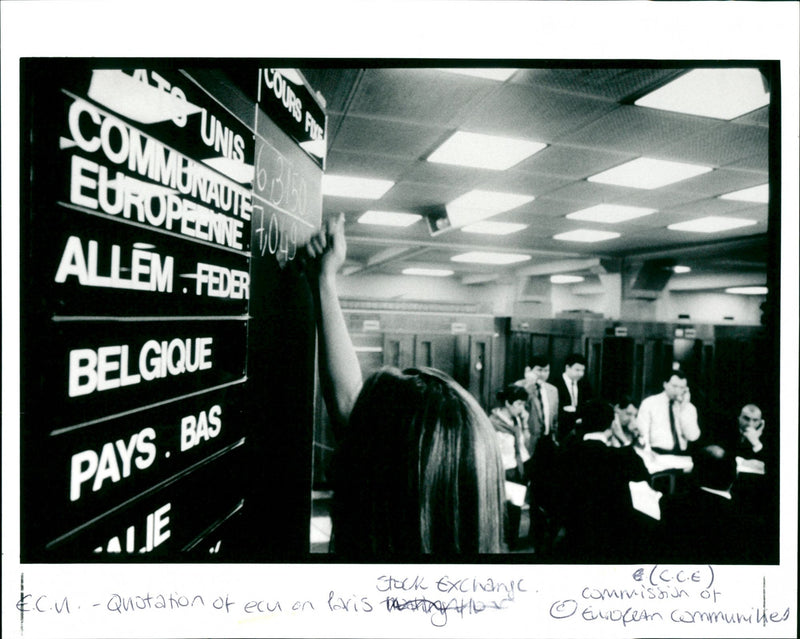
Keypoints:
pixel 377 346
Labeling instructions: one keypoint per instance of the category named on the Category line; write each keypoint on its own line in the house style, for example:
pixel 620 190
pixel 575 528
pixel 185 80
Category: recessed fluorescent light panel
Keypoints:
pixel 501 75
pixel 711 224
pixel 565 279
pixel 610 213
pixel 586 235
pixel 477 205
pixel 388 218
pixel 714 93
pixel 357 187
pixel 678 268
pixel 483 257
pixel 484 151
pixel 747 290
pixel 428 272
pixel 758 194
pixel 494 228
pixel 648 173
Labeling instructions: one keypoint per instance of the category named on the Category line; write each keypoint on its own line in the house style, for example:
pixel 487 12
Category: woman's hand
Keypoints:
pixel 330 246
pixel 340 371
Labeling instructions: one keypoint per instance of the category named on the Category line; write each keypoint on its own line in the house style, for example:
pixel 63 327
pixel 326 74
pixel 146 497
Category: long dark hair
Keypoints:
pixel 419 471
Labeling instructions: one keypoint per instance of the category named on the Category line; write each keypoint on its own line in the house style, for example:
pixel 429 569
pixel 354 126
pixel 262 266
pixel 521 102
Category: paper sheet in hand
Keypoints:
pixel 515 493
pixel 656 463
pixel 755 466
pixel 645 499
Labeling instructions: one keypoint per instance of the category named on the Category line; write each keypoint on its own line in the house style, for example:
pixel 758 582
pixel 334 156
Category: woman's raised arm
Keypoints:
pixel 340 372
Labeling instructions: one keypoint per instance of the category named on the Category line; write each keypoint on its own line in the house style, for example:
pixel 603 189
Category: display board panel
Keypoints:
pixel 167 324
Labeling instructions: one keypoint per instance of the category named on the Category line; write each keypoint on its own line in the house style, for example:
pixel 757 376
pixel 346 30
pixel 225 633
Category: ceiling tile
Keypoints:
pixel 758 162
pixel 724 144
pixel 544 207
pixel 715 206
pixel 365 164
pixel 416 95
pixel 422 171
pixel 582 191
pixel 335 85
pixel 414 194
pixel 572 162
pixel 385 138
pixel 658 199
pixel 519 182
pixel 533 113
pixel 614 83
pixel 718 182
pixel 757 117
pixel 630 129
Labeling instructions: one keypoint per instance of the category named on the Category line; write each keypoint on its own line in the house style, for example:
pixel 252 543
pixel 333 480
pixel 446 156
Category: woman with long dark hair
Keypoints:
pixel 417 470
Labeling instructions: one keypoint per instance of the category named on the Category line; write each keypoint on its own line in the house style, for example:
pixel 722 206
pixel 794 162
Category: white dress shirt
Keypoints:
pixel 572 388
pixel 655 427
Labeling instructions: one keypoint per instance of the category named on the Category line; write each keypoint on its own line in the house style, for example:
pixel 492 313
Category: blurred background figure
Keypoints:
pixel 510 421
pixel 543 421
pixel 707 524
pixel 595 509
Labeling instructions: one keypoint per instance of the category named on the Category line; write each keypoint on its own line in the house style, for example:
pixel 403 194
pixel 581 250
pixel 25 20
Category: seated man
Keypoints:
pixel 594 497
pixel 751 427
pixel 668 420
pixel 624 429
pixel 706 524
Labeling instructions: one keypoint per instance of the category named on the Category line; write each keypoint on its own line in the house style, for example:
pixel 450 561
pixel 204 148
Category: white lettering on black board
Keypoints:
pixel 218 281
pixel 283 91
pixel 222 139
pixel 204 427
pixel 108 367
pixel 114 461
pixel 155 534
pixel 169 175
pixel 147 271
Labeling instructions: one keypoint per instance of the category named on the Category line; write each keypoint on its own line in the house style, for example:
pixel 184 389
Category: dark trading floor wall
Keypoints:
pixel 727 366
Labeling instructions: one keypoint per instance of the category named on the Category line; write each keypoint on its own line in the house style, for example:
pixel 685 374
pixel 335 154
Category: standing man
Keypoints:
pixel 543 427
pixel 543 400
pixel 668 421
pixel 573 393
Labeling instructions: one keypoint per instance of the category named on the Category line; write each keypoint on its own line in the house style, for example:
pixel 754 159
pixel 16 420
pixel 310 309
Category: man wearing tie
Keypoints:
pixel 543 419
pixel 573 392
pixel 543 427
pixel 668 420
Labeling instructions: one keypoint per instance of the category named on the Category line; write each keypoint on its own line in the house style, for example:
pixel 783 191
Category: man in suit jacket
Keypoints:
pixel 543 401
pixel 543 427
pixel 573 393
